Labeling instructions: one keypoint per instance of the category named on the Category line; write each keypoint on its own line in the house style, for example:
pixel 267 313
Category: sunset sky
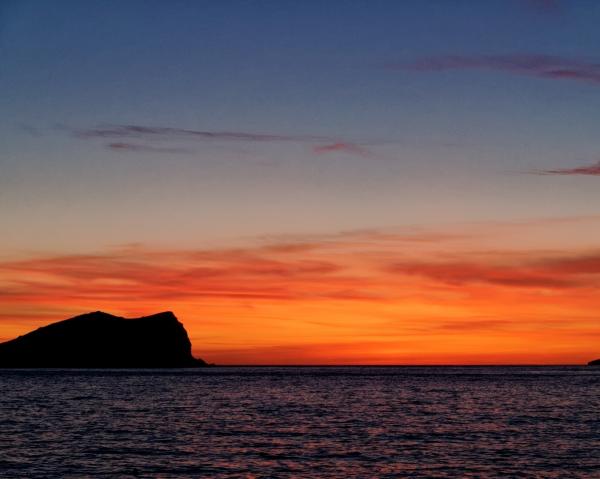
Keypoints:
pixel 344 182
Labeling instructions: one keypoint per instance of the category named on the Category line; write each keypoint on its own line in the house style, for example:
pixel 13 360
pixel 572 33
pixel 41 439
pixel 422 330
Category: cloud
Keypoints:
pixel 341 147
pixel 171 275
pixel 333 269
pixel 464 273
pixel 374 235
pixel 470 324
pixel 592 170
pixel 147 132
pixel 121 133
pixel 349 288
pixel 502 270
pixel 586 264
pixel 542 66
pixel 120 146
pixel 320 267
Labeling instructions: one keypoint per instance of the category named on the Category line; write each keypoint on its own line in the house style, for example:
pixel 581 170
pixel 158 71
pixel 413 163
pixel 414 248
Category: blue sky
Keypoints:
pixel 436 146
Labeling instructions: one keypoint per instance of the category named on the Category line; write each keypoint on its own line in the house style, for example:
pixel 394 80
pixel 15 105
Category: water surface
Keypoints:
pixel 350 422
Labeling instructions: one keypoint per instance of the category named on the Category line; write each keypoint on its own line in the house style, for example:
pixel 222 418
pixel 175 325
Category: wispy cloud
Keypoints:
pixel 122 146
pixel 460 273
pixel 542 66
pixel 592 170
pixel 405 293
pixel 537 271
pixel 138 131
pixel 146 136
pixel 341 147
pixel 342 267
pixel 170 275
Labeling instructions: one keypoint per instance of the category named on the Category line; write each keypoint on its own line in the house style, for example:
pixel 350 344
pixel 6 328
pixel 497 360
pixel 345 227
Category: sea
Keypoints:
pixel 301 422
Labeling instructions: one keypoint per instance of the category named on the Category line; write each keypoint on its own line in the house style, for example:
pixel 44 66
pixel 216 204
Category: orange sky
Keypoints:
pixel 462 294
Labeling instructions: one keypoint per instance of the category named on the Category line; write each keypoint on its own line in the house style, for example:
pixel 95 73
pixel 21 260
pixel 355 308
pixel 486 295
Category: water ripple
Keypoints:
pixel 355 422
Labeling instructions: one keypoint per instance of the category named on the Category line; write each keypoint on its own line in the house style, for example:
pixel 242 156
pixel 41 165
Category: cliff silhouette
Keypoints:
pixel 101 340
pixel 595 362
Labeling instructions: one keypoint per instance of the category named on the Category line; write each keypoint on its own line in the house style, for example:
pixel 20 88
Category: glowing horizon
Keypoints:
pixel 365 297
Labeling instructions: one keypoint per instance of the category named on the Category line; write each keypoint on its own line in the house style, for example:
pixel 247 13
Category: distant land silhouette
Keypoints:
pixel 595 362
pixel 101 340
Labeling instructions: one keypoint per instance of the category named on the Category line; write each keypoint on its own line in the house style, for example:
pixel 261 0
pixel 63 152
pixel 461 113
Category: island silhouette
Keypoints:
pixel 101 340
pixel 595 362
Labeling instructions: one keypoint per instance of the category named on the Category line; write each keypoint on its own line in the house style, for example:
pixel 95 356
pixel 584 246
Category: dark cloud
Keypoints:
pixel 121 133
pixel 543 66
pixel 147 132
pixel 121 146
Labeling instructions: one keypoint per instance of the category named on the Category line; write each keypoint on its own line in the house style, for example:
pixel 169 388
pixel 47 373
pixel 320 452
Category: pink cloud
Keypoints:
pixel 543 66
pixel 593 170
pixel 341 147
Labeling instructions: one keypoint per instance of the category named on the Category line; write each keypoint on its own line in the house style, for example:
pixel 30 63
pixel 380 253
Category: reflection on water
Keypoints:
pixel 302 422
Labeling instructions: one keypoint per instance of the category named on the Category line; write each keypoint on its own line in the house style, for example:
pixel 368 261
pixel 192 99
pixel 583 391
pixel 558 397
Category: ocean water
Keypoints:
pixel 350 422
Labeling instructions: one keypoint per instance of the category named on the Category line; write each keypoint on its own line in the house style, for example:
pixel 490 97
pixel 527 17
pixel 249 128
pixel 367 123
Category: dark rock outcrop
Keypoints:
pixel 595 362
pixel 101 340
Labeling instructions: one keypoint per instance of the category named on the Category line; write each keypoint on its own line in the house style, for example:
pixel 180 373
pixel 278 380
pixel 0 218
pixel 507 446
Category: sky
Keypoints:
pixel 357 182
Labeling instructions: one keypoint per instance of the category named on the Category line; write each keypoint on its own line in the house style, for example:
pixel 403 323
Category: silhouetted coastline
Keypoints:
pixel 101 340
